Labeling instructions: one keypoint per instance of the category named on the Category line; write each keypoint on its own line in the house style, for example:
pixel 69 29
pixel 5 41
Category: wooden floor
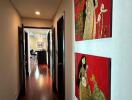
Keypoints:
pixel 39 85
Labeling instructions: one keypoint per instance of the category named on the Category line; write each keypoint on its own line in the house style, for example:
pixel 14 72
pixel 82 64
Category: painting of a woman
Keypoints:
pixel 92 77
pixel 85 93
pixel 90 20
pixel 79 17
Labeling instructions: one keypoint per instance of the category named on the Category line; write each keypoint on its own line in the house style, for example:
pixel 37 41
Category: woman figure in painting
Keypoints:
pixel 83 85
pixel 85 93
pixel 100 20
pixel 80 18
pixel 90 20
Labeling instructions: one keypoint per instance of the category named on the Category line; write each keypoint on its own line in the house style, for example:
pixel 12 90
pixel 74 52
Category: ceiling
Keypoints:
pixel 27 8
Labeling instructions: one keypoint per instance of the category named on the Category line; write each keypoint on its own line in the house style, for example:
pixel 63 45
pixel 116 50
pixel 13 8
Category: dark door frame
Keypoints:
pixel 61 89
pixel 21 62
pixel 48 39
pixel 37 27
pixel 54 60
pixel 26 53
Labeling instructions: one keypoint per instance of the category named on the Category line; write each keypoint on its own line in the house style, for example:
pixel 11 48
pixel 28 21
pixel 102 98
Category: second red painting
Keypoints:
pixel 92 77
pixel 93 19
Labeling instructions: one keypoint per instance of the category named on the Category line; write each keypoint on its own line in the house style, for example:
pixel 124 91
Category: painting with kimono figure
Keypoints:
pixel 93 19
pixel 92 77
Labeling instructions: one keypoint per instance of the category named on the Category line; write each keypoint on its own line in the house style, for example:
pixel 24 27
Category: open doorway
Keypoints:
pixel 37 53
pixel 38 49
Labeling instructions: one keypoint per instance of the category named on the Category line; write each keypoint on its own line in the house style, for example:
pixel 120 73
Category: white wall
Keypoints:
pixel 34 40
pixel 118 48
pixel 9 22
pixel 36 22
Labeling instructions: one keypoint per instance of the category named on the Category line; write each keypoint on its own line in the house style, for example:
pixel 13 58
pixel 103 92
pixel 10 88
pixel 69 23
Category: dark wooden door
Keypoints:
pixel 48 50
pixel 53 61
pixel 26 54
pixel 21 61
pixel 61 71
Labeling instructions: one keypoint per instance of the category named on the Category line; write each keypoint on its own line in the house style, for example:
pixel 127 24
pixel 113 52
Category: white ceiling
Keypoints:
pixel 27 8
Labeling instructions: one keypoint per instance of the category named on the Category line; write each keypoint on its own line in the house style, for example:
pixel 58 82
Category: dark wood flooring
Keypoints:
pixel 39 85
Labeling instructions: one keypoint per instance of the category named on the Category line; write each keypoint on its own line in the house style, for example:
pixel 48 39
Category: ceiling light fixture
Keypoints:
pixel 37 13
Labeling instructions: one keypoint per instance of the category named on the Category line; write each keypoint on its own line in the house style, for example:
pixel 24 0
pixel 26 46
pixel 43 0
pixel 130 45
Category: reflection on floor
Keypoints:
pixel 39 85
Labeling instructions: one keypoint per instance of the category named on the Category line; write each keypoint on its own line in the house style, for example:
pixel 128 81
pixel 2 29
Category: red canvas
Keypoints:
pixel 92 19
pixel 92 77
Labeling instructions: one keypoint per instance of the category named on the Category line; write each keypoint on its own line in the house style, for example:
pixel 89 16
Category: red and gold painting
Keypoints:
pixel 92 19
pixel 92 77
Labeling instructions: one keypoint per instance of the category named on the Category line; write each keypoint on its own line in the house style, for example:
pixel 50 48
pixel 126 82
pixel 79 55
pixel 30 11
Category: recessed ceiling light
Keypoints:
pixel 37 13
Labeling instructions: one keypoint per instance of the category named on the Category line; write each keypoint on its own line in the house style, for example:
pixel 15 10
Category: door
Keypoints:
pixel 48 50
pixel 53 61
pixel 21 61
pixel 61 69
pixel 26 53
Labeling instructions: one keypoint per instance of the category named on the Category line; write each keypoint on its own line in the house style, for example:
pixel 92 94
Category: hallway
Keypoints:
pixel 39 85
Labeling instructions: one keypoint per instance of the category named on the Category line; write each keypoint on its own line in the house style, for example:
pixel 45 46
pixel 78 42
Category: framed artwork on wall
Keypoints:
pixel 93 19
pixel 40 44
pixel 92 77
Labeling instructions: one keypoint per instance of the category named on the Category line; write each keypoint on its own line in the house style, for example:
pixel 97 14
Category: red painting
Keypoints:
pixel 92 77
pixel 92 19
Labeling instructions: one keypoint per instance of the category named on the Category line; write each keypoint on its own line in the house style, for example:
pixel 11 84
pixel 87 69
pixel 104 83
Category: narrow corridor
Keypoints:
pixel 39 85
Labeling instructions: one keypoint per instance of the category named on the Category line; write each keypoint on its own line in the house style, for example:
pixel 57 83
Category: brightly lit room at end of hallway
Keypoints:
pixel 37 44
